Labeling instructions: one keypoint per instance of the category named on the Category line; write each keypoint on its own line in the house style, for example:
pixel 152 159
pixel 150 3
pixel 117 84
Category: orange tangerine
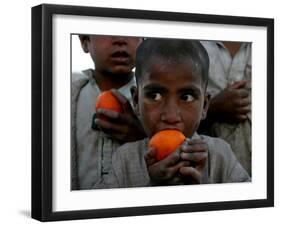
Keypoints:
pixel 107 100
pixel 165 142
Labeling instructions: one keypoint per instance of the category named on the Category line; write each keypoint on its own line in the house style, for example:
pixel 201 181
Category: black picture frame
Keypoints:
pixel 42 108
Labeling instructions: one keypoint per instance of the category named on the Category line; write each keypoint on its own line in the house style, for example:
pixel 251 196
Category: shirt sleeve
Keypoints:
pixel 129 166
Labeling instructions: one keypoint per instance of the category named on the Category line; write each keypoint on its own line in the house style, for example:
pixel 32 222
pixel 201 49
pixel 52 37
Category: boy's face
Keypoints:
pixel 170 96
pixel 112 54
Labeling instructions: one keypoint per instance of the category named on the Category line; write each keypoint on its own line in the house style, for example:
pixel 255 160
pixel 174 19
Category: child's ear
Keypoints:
pixel 84 39
pixel 134 93
pixel 206 105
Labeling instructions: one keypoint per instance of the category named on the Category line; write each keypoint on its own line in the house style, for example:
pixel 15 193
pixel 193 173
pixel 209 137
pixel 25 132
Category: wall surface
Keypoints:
pixel 15 120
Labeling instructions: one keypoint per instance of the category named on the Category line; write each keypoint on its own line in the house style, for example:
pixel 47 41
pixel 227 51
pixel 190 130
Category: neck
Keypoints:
pixel 232 47
pixel 107 81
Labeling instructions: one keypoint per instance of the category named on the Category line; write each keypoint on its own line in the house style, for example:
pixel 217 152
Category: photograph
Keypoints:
pixel 138 112
pixel 156 112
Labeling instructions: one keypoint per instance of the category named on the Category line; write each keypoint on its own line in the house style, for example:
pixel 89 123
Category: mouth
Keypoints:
pixel 120 57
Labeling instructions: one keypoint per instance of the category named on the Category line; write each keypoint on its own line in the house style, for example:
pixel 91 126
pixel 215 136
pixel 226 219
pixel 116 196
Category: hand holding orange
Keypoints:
pixel 165 142
pixel 108 101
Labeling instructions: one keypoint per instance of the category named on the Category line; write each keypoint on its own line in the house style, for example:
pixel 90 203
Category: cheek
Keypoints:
pixel 192 118
pixel 96 56
pixel 133 47
pixel 149 116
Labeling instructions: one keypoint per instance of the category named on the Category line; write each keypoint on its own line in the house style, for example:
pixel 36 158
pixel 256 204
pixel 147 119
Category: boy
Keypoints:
pixel 229 114
pixel 93 139
pixel 171 93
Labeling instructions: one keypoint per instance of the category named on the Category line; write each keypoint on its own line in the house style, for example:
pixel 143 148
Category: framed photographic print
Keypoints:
pixel 171 68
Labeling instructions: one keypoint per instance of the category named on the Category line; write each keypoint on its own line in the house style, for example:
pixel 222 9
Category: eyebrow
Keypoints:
pixel 190 88
pixel 154 86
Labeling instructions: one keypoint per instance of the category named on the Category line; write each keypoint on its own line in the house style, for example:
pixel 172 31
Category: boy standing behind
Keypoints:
pixel 93 139
pixel 230 116
pixel 171 79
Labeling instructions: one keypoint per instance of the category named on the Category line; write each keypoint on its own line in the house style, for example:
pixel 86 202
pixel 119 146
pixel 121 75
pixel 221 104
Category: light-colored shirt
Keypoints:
pixel 91 149
pixel 224 70
pixel 130 169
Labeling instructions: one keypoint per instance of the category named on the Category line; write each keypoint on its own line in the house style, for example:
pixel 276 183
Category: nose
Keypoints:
pixel 170 114
pixel 119 40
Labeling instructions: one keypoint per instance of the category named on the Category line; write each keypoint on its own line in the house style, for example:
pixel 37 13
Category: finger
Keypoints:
pixel 108 113
pixel 239 84
pixel 123 100
pixel 184 164
pixel 171 159
pixel 190 175
pixel 109 126
pixel 196 141
pixel 150 156
pixel 197 147
pixel 243 93
pixel 113 116
pixel 174 170
pixel 244 102
pixel 243 110
pixel 196 157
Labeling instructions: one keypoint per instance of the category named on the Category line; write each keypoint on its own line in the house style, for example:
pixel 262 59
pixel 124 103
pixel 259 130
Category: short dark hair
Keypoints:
pixel 177 50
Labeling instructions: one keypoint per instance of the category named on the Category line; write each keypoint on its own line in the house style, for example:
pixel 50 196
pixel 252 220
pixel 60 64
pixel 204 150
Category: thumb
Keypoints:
pixel 123 100
pixel 239 84
pixel 150 156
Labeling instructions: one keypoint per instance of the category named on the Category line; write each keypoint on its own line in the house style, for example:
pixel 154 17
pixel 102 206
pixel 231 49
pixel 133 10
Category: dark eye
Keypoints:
pixel 156 96
pixel 187 97
pixel 153 96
